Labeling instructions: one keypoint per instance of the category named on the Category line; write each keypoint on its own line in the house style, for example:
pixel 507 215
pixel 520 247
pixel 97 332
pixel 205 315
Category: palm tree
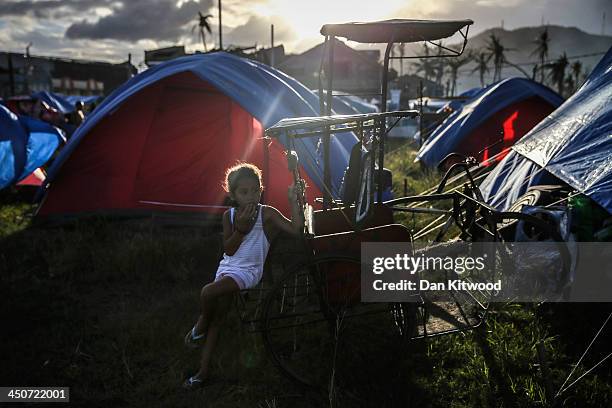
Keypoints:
pixel 482 66
pixel 425 65
pixel 392 54
pixel 453 67
pixel 402 52
pixel 534 71
pixel 542 50
pixel 497 52
pixel 557 72
pixel 518 68
pixel 576 70
pixel 203 27
pixel 569 84
pixel 439 65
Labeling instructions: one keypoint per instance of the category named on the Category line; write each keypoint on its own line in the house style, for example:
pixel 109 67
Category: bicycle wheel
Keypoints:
pixel 299 323
pixel 315 328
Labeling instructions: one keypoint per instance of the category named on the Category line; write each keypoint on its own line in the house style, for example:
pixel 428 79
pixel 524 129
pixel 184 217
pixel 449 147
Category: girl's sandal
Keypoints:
pixel 195 382
pixel 193 340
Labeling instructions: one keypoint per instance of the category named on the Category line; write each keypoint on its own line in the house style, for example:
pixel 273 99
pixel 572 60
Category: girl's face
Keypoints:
pixel 247 191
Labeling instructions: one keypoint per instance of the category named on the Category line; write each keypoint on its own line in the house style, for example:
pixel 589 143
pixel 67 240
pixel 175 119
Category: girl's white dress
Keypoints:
pixel 246 265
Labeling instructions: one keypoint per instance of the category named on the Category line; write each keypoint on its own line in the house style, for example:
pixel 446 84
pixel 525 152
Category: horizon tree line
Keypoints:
pixel 564 76
pixel 551 73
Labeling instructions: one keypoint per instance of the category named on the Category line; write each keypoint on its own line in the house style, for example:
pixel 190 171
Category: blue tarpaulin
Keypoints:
pixel 64 103
pixel 267 94
pixel 55 101
pixel 25 144
pixel 573 144
pixel 86 99
pixel 483 105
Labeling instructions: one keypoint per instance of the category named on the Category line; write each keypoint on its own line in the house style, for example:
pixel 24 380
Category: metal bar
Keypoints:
pixel 425 231
pixel 421 210
pixel 445 332
pixel 439 45
pixel 344 93
pixel 421 198
pixel 319 80
pixel 327 137
pixel 331 131
pixel 383 108
pixel 266 160
pixel 453 53
pixel 221 32
pixel 330 75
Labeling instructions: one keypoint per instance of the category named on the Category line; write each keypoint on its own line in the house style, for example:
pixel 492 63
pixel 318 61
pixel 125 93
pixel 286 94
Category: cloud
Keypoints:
pixel 109 29
pixel 257 30
pixel 142 19
pixel 46 8
pixel 499 3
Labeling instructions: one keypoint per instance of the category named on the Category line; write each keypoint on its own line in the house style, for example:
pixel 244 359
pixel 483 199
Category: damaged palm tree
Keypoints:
pixel 203 27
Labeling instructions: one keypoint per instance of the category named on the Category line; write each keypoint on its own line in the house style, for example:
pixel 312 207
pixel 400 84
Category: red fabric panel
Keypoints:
pixel 100 173
pixel 185 154
pixel 507 125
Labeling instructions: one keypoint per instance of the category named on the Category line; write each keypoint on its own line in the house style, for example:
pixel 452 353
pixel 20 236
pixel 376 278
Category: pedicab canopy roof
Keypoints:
pixel 396 30
pixel 574 144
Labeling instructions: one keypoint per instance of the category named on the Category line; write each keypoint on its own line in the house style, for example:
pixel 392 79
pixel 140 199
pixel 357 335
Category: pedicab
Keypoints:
pixel 310 312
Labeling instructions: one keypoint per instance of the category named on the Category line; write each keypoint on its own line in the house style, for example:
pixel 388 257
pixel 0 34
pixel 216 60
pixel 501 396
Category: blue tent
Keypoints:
pixel 25 144
pixel 465 97
pixel 346 104
pixel 573 144
pixel 360 105
pixel 463 130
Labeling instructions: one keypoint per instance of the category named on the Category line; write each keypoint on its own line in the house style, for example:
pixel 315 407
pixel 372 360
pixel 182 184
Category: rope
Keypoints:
pixel 580 360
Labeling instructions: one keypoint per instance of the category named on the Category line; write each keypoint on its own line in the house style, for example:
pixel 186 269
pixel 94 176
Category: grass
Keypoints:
pixel 102 307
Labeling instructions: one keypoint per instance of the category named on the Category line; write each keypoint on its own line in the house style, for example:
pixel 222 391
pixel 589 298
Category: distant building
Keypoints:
pixel 21 74
pixel 410 88
pixel 154 57
pixel 269 56
pixel 354 71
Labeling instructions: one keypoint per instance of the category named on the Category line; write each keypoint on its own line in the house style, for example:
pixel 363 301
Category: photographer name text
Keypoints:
pixel 425 285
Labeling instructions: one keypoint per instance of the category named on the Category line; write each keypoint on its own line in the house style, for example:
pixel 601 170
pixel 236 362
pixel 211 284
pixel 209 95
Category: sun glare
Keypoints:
pixel 306 18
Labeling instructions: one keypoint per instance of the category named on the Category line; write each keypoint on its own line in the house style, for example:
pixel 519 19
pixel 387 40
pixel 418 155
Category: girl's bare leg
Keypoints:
pixel 212 335
pixel 208 299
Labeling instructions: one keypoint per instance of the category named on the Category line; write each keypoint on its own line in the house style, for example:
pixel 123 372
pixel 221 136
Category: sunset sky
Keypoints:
pixel 110 29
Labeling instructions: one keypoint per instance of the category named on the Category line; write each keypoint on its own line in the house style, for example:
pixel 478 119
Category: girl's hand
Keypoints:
pixel 245 218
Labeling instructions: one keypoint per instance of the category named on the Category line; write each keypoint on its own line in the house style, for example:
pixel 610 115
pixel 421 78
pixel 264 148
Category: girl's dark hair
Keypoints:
pixel 238 172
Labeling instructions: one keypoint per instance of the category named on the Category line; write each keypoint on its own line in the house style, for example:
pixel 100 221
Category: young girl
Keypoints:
pixel 247 231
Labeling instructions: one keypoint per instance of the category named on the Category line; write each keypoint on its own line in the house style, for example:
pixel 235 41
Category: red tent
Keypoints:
pixel 166 148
